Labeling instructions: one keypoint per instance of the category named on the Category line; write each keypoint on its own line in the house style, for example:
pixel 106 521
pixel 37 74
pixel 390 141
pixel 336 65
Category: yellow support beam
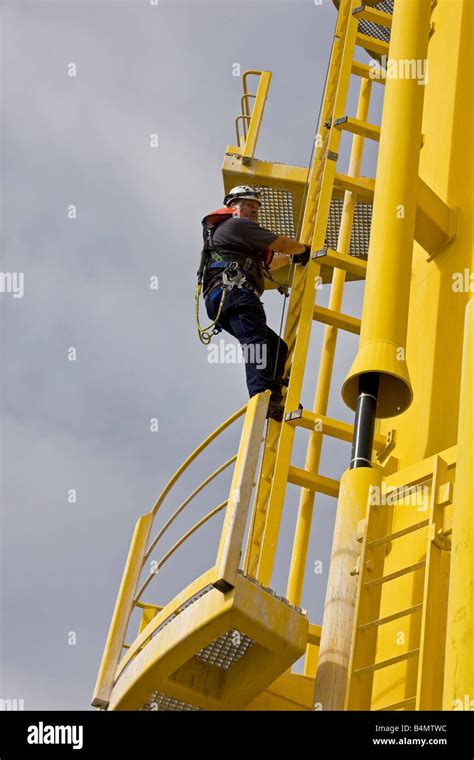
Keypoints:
pixel 336 319
pixel 320 423
pixel 319 483
pixel 385 312
pixel 342 594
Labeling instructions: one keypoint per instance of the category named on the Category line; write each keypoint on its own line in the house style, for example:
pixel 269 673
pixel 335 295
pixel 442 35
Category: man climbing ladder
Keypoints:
pixel 238 255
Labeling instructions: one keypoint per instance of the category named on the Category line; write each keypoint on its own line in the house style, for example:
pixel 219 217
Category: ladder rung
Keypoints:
pixel 398 533
pixel 397 705
pixel 336 319
pixel 389 618
pixel 358 127
pixel 363 187
pixel 372 44
pixel 362 70
pixel 352 264
pixel 374 16
pixel 396 574
pixel 343 431
pixel 386 663
pixel 313 482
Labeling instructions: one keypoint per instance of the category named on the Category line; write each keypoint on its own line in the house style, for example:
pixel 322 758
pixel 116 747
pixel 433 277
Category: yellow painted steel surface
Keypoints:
pixel 434 352
pixel 397 631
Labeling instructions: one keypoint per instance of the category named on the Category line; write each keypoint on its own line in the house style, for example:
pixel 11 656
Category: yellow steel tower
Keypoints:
pixel 397 630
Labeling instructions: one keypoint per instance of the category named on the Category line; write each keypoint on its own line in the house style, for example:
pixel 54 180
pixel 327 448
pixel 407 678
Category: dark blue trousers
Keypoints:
pixel 265 353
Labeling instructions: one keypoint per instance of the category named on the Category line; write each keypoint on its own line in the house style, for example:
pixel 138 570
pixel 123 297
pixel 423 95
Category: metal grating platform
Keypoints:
pixel 276 211
pixel 226 649
pixel 360 229
pixel 222 653
pixel 276 214
pixel 375 30
pixel 159 701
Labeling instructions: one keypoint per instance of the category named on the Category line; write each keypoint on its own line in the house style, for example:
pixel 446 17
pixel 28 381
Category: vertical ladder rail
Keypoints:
pixel 315 179
pixel 429 691
pixel 320 199
pixel 305 510
pixel 383 326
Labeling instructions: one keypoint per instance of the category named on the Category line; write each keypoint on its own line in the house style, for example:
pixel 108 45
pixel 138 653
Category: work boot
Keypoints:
pixel 275 410
pixel 276 396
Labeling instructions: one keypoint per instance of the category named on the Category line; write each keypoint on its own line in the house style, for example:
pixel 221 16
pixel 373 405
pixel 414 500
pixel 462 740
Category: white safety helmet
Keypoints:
pixel 246 192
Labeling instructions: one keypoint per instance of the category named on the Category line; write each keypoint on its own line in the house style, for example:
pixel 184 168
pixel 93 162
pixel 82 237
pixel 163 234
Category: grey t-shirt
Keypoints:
pixel 244 233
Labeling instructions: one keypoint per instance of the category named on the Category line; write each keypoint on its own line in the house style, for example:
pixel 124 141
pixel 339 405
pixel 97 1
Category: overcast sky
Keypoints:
pixel 84 424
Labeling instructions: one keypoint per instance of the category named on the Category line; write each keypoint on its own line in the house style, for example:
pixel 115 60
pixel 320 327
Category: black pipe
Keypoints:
pixel 364 423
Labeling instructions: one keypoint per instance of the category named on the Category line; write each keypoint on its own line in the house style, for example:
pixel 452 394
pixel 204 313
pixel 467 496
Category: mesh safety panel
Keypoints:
pixel 276 211
pixel 375 30
pixel 360 229
pixel 159 701
pixel 226 649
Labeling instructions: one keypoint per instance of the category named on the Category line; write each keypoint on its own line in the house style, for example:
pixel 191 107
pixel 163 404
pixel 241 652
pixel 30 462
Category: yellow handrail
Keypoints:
pixel 186 502
pixel 177 545
pixel 231 538
pixel 251 121
pixel 194 455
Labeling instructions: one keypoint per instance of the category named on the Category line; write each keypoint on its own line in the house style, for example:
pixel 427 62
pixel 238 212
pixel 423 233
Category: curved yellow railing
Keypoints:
pixel 141 547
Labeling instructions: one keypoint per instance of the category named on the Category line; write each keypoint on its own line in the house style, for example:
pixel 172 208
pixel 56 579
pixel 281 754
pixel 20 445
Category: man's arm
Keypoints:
pixel 261 238
pixel 288 249
pixel 287 245
pixel 280 260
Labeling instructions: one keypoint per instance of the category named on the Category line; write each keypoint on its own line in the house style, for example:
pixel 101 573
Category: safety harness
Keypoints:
pixel 230 266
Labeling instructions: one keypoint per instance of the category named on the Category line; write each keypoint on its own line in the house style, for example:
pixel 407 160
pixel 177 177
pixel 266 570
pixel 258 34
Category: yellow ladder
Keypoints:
pixel 276 470
pixel 423 615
